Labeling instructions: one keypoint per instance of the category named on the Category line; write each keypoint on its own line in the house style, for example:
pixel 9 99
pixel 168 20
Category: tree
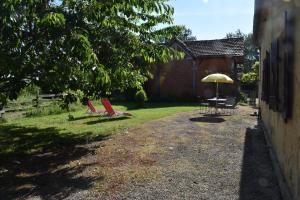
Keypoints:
pixel 181 32
pixel 237 34
pixel 249 80
pixel 250 51
pixel 94 46
pixel 185 34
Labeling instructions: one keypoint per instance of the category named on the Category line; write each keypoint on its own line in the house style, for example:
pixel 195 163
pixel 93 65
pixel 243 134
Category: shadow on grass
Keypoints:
pixel 151 105
pixel 258 180
pixel 33 162
pixel 89 116
pixel 107 119
pixel 208 119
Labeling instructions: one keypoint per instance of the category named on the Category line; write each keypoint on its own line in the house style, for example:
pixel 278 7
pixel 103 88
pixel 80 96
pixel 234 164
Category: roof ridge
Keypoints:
pixel 211 40
pixel 184 46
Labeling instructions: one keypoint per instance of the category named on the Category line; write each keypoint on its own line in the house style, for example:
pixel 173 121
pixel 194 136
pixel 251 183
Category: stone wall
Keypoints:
pixel 284 135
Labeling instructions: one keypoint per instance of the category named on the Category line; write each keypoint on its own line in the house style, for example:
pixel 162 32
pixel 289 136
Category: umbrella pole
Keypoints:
pixel 217 97
pixel 217 90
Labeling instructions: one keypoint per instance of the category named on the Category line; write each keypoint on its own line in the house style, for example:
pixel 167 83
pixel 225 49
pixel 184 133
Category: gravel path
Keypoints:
pixel 186 156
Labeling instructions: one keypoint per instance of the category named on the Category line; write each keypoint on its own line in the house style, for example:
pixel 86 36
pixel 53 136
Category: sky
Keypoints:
pixel 212 19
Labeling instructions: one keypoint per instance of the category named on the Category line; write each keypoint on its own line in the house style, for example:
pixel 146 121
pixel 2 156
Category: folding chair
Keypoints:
pixel 110 111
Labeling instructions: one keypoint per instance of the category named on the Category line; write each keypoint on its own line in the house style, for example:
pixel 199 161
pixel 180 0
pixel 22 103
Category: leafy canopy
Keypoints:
pixel 250 51
pixel 181 32
pixel 94 46
pixel 249 80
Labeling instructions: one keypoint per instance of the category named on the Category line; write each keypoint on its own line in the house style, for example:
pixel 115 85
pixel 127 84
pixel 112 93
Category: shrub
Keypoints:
pixel 52 109
pixel 141 98
pixel 249 80
pixel 241 97
pixel 69 98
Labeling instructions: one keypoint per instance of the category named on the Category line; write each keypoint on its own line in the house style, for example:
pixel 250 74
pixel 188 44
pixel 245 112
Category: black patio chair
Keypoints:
pixel 205 107
pixel 229 106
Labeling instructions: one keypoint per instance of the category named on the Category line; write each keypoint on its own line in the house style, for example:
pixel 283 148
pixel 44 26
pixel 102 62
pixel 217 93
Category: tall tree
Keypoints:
pixel 250 51
pixel 181 32
pixel 185 34
pixel 94 46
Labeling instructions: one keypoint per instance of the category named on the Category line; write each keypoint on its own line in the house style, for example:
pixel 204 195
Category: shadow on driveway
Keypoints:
pixel 257 180
pixel 208 119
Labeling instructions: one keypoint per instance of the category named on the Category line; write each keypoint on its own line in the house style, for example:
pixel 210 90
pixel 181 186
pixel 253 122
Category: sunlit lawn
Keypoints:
pixel 53 132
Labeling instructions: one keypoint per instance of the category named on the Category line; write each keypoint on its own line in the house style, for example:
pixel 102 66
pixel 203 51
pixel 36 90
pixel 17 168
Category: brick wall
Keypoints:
pixel 175 79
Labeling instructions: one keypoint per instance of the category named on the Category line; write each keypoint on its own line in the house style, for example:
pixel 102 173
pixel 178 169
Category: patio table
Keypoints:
pixel 216 100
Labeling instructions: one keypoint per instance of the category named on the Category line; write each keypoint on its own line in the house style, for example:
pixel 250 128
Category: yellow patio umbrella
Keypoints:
pixel 217 78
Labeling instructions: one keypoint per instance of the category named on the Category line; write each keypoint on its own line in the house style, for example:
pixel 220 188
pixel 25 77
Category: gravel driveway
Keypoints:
pixel 185 156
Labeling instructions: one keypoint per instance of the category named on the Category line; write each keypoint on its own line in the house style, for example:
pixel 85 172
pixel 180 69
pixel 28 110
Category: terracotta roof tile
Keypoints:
pixel 222 47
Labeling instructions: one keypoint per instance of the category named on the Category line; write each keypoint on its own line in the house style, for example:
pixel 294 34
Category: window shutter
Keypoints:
pixel 264 71
pixel 288 66
pixel 274 88
pixel 281 73
pixel 267 79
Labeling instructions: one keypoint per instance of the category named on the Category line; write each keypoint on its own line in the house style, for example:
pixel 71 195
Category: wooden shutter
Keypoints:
pixel 288 66
pixel 281 72
pixel 266 78
pixel 274 87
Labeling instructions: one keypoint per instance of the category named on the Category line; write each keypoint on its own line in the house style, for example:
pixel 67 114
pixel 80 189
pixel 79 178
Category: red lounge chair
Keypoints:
pixel 110 111
pixel 92 109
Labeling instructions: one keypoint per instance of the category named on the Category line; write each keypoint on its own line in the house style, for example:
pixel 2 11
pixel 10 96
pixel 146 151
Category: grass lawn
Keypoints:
pixel 54 132
pixel 38 151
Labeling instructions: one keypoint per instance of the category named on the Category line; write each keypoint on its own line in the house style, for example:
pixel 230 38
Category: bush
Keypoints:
pixel 141 98
pixel 3 120
pixel 69 98
pixel 241 97
pixel 29 92
pixel 249 80
pixel 52 109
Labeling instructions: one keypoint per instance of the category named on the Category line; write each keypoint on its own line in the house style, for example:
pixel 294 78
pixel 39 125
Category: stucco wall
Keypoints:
pixel 285 136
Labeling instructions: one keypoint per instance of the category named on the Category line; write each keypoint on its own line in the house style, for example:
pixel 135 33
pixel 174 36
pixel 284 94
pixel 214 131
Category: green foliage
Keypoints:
pixel 181 32
pixel 52 109
pixel 3 100
pixel 141 97
pixel 249 80
pixel 44 111
pixel 70 97
pixel 98 47
pixel 238 33
pixel 241 97
pixel 39 135
pixel 186 34
pixel 250 51
pixel 53 21
pixel 29 92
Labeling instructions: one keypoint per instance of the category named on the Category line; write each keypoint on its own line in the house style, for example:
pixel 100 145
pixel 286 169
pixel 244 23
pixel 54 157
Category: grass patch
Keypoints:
pixel 41 155
pixel 55 132
pixel 53 108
